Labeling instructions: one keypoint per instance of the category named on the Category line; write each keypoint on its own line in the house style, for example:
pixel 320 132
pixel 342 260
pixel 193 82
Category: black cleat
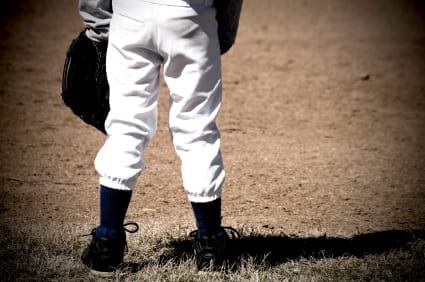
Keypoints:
pixel 210 251
pixel 104 255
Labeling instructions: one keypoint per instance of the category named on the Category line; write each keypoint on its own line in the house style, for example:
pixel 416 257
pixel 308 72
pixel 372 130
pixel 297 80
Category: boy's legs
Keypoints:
pixel 192 70
pixel 133 75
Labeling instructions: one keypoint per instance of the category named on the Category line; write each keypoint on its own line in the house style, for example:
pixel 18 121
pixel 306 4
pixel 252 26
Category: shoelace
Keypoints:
pixel 231 232
pixel 134 230
pixel 136 227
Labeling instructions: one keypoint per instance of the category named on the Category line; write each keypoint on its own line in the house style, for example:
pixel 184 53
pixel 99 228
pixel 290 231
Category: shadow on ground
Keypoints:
pixel 274 250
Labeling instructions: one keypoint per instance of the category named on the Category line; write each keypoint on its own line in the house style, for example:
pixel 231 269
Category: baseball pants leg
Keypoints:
pixel 184 40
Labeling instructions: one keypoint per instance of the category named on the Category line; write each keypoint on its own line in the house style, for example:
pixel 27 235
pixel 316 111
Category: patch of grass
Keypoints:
pixel 52 253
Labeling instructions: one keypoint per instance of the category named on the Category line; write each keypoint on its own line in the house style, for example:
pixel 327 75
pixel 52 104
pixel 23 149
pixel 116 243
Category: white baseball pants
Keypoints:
pixel 181 36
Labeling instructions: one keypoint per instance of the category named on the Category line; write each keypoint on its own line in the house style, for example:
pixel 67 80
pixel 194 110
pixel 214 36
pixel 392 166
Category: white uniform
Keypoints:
pixel 180 35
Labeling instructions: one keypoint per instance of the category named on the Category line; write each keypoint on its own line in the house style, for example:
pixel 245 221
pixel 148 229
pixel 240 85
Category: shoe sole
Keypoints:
pixel 102 274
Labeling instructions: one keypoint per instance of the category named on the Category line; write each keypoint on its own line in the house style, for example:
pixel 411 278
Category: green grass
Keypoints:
pixel 51 253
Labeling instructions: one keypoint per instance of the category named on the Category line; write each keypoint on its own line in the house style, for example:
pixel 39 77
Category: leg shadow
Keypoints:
pixel 273 250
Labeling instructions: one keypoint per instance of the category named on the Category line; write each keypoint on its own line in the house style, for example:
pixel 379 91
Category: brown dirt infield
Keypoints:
pixel 323 122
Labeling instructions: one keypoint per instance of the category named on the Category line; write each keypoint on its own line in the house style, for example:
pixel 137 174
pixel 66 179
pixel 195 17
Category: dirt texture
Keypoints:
pixel 323 122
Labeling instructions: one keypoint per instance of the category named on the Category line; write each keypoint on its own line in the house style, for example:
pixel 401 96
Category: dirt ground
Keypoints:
pixel 323 122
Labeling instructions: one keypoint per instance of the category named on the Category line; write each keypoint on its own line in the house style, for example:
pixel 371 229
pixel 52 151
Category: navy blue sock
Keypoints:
pixel 113 208
pixel 208 217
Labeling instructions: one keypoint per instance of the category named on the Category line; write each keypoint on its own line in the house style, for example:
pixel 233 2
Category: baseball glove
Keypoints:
pixel 228 14
pixel 85 88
